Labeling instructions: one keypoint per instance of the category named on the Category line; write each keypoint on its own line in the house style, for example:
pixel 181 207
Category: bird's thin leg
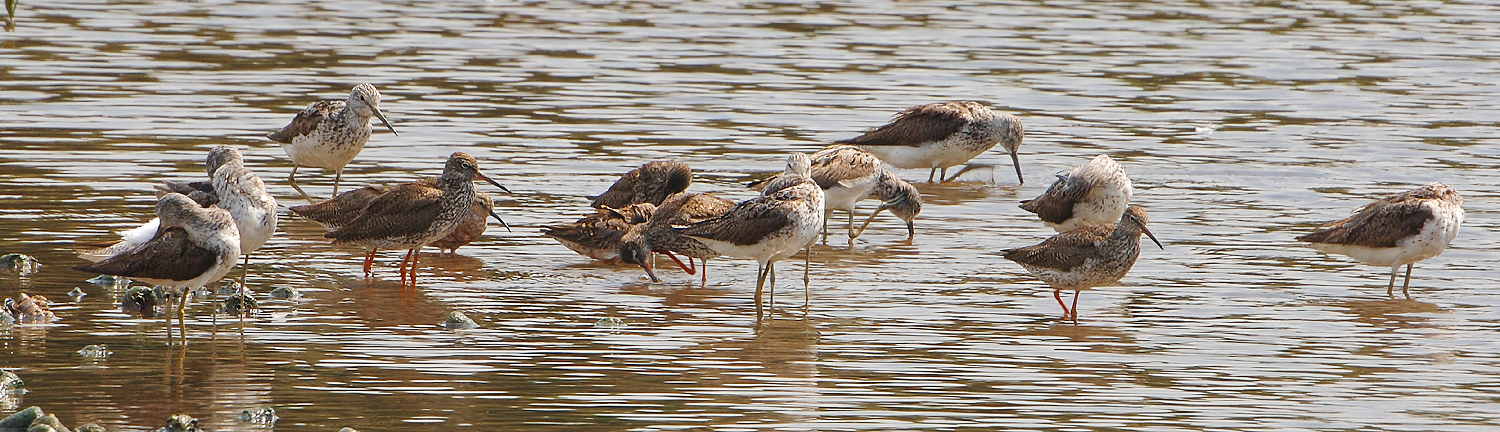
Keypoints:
pixel 760 283
pixel 415 254
pixel 806 278
pixel 932 173
pixel 1407 284
pixel 771 274
pixel 943 175
pixel 1057 294
pixel 852 235
pixel 369 262
pixel 182 316
pixel 404 260
pixel 1076 295
pixel 338 174
pixel 705 270
pixel 825 226
pixel 1391 286
pixel 246 270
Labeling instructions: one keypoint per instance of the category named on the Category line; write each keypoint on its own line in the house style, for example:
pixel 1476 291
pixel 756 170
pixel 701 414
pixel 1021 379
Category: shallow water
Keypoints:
pixel 1242 125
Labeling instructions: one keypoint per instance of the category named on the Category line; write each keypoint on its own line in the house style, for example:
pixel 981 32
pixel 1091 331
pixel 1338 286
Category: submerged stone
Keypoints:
pixel 95 352
pixel 30 309
pixel 110 281
pixel 90 427
pixel 21 419
pixel 142 300
pixel 262 416
pixel 21 264
pixel 458 321
pixel 284 292
pixel 77 293
pixel 609 323
pixel 180 423
pixel 47 423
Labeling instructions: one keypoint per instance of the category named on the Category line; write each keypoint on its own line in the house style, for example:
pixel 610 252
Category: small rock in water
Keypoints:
pixel 458 321
pixel 90 427
pixel 77 293
pixel 229 288
pixel 348 429
pixel 180 423
pixel 20 263
pixel 110 281
pixel 6 318
pixel 609 323
pixel 11 384
pixel 29 309
pixel 95 352
pixel 140 299
pixel 261 416
pixel 240 304
pixel 21 419
pixel 48 422
pixel 285 292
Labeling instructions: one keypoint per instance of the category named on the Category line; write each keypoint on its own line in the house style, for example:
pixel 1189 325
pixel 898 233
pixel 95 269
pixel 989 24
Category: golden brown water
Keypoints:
pixel 1242 125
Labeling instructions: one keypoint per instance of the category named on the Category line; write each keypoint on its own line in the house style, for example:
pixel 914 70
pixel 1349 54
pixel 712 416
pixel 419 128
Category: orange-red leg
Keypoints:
pixel 1057 294
pixel 687 268
pixel 416 253
pixel 1076 295
pixel 369 262
pixel 705 270
pixel 404 261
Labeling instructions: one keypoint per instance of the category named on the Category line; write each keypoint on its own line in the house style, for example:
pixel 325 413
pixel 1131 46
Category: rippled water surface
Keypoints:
pixel 1242 124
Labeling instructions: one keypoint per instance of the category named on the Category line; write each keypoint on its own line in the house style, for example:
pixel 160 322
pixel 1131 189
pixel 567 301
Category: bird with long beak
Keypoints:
pixel 411 215
pixel 329 134
pixel 942 135
pixel 1087 257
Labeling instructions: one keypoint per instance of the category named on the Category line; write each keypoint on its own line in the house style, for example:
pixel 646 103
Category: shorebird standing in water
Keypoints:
pixel 411 215
pixel 642 241
pixel 651 183
pixel 233 187
pixel 193 247
pixel 942 135
pixel 1087 257
pixel 1397 230
pixel 598 235
pixel 849 174
pixel 334 213
pixel 1094 193
pixel 329 134
pixel 776 225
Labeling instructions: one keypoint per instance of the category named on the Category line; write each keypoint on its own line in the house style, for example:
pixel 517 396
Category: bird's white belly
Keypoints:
pixel 321 150
pixel 936 154
pixel 846 195
pixel 1430 242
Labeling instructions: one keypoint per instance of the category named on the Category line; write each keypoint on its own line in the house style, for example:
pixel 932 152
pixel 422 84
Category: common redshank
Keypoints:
pixel 411 216
pixel 1087 257
pixel 642 241
pixel 598 235
pixel 651 183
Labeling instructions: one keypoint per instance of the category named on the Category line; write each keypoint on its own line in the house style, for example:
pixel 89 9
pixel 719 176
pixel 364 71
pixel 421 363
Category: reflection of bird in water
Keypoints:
pixel 849 174
pixel 329 134
pixel 193 247
pixel 411 216
pixel 768 228
pixel 651 183
pixel 1094 193
pixel 1397 230
pixel 598 235
pixel 1086 257
pixel 642 241
pixel 942 135
pixel 1390 313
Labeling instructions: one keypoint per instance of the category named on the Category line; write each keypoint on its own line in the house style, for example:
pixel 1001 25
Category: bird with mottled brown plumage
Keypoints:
pixel 642 241
pixel 410 216
pixel 334 213
pixel 329 134
pixel 1397 230
pixel 942 135
pixel 849 174
pixel 1087 257
pixel 651 183
pixel 598 235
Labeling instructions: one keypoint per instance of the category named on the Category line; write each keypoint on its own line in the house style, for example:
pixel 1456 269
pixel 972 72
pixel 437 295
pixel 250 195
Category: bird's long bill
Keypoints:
pixel 649 265
pixel 861 230
pixel 1153 237
pixel 385 122
pixel 502 221
pixel 1015 160
pixel 911 230
pixel 492 181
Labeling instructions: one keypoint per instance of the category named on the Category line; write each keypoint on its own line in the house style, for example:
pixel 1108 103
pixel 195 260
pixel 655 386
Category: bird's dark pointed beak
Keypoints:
pixel 1153 237
pixel 385 122
pixel 492 181
pixel 1016 160
pixel 502 221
